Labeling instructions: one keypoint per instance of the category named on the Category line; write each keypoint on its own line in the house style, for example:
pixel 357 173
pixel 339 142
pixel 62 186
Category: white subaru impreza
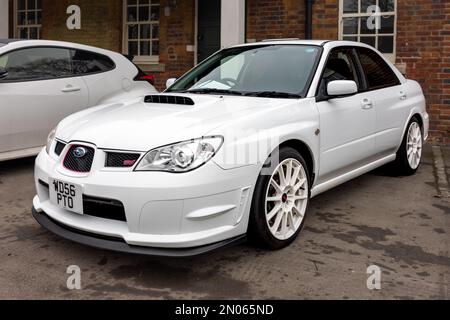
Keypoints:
pixel 233 149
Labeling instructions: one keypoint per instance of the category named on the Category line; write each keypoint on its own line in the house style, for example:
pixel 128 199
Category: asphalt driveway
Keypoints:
pixel 400 224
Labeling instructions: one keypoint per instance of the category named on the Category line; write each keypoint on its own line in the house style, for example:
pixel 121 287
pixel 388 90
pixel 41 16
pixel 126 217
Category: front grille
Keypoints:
pixel 104 208
pixel 59 148
pixel 79 164
pixel 169 100
pixel 121 160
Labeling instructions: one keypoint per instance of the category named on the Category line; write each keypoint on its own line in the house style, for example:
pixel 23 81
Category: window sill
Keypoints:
pixel 151 66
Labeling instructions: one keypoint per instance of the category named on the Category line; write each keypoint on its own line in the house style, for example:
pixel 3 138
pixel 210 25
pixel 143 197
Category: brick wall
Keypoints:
pixel 325 19
pixel 101 22
pixel 177 31
pixel 423 45
pixel 268 19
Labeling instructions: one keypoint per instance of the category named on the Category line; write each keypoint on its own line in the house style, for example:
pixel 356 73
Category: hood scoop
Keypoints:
pixel 166 99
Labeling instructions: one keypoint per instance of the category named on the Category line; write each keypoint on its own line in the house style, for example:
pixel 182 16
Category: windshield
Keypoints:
pixel 264 70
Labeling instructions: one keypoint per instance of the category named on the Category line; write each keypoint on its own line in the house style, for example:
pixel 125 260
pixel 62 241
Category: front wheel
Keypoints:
pixel 280 202
pixel 410 153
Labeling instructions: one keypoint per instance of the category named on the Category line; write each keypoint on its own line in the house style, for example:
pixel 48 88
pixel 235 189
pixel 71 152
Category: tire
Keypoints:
pixel 410 153
pixel 268 201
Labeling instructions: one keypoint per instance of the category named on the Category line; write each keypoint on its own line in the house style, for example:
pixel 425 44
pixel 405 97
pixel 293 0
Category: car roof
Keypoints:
pixel 286 41
pixel 23 43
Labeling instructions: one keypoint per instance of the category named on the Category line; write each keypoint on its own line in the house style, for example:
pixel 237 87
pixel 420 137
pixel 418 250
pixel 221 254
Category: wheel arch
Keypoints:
pixel 306 153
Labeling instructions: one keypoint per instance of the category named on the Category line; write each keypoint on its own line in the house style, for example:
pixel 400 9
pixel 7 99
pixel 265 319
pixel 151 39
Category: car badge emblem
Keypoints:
pixel 79 152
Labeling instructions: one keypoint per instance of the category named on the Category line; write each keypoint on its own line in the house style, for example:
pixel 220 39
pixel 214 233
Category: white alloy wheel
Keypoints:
pixel 414 145
pixel 286 199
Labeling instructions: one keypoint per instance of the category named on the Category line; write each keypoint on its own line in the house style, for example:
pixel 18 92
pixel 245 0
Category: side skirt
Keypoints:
pixel 327 185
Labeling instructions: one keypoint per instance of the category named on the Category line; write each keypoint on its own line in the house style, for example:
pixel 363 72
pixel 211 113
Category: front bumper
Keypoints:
pixel 196 211
pixel 115 244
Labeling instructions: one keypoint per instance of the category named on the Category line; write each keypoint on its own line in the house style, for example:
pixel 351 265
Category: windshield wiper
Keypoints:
pixel 273 94
pixel 213 90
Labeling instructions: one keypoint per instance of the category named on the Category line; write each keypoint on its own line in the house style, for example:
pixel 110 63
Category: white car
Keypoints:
pixel 234 148
pixel 42 82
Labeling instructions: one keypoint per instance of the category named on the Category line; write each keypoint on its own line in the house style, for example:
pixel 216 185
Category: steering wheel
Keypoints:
pixel 229 82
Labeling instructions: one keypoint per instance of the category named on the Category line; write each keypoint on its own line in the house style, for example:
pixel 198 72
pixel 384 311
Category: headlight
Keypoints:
pixel 181 157
pixel 50 138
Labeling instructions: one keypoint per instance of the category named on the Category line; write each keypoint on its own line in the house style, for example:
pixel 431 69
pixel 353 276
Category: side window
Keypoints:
pixel 36 64
pixel 378 73
pixel 85 62
pixel 340 66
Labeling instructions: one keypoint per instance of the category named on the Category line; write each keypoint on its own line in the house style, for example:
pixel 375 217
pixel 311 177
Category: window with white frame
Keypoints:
pixel 141 29
pixel 369 21
pixel 27 19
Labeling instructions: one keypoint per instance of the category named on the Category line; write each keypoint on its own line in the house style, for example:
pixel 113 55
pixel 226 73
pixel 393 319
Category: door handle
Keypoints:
pixel 402 95
pixel 366 104
pixel 70 88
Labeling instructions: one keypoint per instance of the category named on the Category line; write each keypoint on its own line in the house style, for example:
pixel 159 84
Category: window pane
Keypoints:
pixel 387 24
pixel 155 13
pixel 133 48
pixel 386 44
pixel 145 2
pixel 34 33
pixel 132 14
pixel 387 5
pixel 133 32
pixel 145 48
pixel 31 17
pixel 21 5
pixel 378 73
pixel 365 4
pixel 144 13
pixel 38 63
pixel 131 2
pixel 39 4
pixel 31 4
pixel 155 48
pixel 85 62
pixel 22 18
pixel 350 25
pixel 350 6
pixel 39 17
pixel 155 31
pixel 145 31
pixel 368 25
pixel 350 38
pixel 23 33
pixel 368 40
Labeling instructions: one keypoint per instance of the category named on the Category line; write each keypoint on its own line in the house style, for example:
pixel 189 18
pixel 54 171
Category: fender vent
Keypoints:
pixel 169 100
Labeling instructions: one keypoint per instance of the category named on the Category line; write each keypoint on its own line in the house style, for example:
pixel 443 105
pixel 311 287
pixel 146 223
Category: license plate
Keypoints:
pixel 67 195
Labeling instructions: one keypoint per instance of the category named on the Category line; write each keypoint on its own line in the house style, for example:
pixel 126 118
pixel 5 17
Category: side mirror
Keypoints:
pixel 3 73
pixel 341 88
pixel 170 82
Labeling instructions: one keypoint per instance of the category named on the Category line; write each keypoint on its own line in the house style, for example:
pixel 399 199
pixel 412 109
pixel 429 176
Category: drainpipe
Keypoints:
pixel 308 18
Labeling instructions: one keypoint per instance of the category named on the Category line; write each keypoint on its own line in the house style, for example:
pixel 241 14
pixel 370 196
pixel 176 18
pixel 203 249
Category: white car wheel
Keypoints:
pixel 286 199
pixel 414 145
pixel 280 201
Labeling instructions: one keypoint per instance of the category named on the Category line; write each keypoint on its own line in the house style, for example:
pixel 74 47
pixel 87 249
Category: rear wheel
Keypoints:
pixel 280 202
pixel 410 153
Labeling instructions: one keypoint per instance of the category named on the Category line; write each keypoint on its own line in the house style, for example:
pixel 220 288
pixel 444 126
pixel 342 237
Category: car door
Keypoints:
pixel 347 124
pixel 39 91
pixel 389 98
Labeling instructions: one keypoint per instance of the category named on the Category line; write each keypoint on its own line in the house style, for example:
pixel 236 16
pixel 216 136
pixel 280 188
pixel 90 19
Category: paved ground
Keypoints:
pixel 400 224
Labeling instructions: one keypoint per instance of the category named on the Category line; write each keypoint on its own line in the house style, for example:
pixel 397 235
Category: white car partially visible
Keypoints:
pixel 42 82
